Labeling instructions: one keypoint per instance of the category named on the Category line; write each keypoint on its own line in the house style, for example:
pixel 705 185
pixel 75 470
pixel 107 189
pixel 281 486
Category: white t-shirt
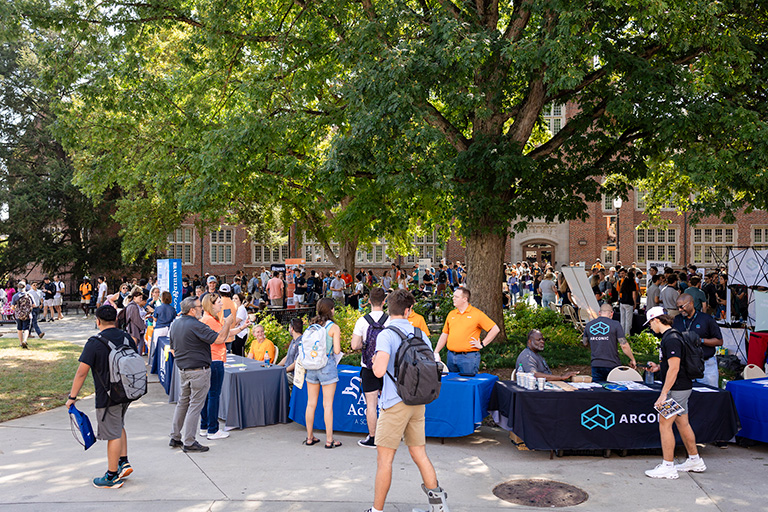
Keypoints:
pixel 361 328
pixel 338 283
pixel 242 316
pixel 102 292
pixel 59 289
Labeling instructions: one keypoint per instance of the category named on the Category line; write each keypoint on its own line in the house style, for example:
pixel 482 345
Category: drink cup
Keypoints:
pixel 540 383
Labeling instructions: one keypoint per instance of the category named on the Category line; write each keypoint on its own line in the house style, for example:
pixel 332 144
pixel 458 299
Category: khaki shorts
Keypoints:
pixel 401 422
pixel 111 427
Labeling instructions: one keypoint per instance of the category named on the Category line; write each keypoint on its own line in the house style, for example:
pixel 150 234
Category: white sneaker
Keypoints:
pixel 662 471
pixel 696 466
pixel 219 434
pixel 203 432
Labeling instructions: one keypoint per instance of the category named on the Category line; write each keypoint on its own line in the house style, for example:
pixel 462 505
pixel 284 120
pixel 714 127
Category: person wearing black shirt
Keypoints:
pixel 191 342
pixel 49 288
pixel 301 288
pixel 110 418
pixel 677 386
pixel 705 326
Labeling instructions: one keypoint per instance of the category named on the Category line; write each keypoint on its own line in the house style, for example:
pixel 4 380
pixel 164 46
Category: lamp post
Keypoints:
pixel 617 205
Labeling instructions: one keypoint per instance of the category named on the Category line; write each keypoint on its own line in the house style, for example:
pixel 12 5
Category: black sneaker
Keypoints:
pixel 175 443
pixel 368 442
pixel 195 447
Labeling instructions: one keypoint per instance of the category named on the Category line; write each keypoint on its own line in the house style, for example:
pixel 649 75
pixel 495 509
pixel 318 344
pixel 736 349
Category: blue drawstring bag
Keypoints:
pixel 81 427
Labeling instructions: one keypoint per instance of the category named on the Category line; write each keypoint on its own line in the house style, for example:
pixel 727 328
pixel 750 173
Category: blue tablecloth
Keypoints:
pixel 162 365
pixel 463 403
pixel 751 399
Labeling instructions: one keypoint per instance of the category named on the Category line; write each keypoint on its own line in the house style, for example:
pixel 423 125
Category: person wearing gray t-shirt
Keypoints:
pixel 531 361
pixel 602 335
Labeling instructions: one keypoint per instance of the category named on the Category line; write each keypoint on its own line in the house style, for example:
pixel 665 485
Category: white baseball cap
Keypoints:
pixel 654 312
pixel 211 279
pixel 225 288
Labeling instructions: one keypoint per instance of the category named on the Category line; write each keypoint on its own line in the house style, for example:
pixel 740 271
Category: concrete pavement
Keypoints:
pixel 268 469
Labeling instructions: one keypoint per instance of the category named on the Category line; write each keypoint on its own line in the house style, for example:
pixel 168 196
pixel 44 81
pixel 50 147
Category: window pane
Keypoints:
pixel 708 235
pixel 758 236
pixel 697 254
pixel 651 237
pixel 379 253
pixel 651 252
pixel 188 235
pixel 640 253
pixel 718 236
pixel 256 253
pixel 187 254
pixel 671 253
pixel 641 236
pixel 275 254
pixel 660 252
pixel 213 254
pixel 671 235
pixel 729 236
pixel 660 236
pixel 228 253
pixel 697 236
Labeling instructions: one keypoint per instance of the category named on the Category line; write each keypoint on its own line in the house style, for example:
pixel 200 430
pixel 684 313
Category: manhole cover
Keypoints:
pixel 540 493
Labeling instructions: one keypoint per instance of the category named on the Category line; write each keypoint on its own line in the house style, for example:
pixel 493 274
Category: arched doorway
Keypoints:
pixel 543 252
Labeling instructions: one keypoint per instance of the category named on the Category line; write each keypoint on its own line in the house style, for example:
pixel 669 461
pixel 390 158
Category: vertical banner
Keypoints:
pixel 169 279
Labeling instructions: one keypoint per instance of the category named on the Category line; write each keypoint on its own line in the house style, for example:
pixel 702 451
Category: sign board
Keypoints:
pixel 277 267
pixel 761 311
pixel 291 272
pixel 660 266
pixel 581 292
pixel 748 267
pixel 169 280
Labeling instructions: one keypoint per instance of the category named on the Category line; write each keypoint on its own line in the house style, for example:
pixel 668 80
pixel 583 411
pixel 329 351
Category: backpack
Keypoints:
pixel 417 374
pixel 693 355
pixel 121 321
pixel 127 373
pixel 369 345
pixel 442 277
pixel 23 308
pixel 313 351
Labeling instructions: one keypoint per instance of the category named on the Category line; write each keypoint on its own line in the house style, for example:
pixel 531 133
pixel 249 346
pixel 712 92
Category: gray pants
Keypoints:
pixel 194 390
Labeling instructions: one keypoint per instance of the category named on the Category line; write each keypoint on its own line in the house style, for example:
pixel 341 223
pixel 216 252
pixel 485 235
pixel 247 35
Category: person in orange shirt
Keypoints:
pixel 260 345
pixel 227 308
pixel 209 415
pixel 461 333
pixel 85 295
pixel 418 322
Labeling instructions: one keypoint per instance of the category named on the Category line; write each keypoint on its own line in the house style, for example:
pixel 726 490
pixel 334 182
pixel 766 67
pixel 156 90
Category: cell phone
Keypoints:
pixel 227 312
pixel 463 374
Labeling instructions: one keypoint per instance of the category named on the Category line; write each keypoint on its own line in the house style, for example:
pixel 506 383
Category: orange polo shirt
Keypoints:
pixel 218 351
pixel 460 327
pixel 258 349
pixel 418 322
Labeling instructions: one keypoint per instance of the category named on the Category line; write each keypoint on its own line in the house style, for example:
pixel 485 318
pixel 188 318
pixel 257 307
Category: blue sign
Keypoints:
pixel 597 416
pixel 169 279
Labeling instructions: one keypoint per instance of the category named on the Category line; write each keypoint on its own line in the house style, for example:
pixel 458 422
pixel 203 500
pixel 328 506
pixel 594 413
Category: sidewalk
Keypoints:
pixel 268 469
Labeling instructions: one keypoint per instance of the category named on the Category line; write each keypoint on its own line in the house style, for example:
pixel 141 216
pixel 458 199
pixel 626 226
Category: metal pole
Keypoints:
pixel 618 259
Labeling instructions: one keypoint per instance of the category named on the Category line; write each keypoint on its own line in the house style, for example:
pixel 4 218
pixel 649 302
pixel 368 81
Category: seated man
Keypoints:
pixel 603 335
pixel 532 362
pixel 261 345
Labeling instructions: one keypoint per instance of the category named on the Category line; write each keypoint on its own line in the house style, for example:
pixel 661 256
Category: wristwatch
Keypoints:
pixel 71 397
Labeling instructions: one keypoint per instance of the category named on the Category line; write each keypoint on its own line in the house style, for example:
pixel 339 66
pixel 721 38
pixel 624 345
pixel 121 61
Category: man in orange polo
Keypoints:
pixel 462 334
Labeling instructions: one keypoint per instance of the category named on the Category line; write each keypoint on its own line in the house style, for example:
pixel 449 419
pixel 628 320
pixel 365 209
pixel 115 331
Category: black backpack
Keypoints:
pixel 442 277
pixel 369 345
pixel 417 374
pixel 693 354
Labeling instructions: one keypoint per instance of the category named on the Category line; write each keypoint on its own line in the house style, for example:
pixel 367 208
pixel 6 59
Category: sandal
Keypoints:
pixel 333 444
pixel 308 442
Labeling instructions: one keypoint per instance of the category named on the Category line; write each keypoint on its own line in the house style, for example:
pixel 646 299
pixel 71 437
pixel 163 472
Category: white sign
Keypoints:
pixel 581 292
pixel 761 311
pixel 424 264
pixel 748 267
pixel 660 266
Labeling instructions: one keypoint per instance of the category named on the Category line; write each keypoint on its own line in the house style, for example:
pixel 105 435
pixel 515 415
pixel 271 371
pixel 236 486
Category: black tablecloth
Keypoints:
pixel 598 419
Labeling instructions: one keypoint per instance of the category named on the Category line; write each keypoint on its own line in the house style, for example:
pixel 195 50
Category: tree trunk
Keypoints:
pixel 485 275
pixel 346 257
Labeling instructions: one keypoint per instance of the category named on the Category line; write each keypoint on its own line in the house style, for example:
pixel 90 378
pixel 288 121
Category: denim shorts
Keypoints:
pixel 328 374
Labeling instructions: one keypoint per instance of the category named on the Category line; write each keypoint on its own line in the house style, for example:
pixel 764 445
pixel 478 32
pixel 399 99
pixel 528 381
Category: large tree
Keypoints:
pixel 49 222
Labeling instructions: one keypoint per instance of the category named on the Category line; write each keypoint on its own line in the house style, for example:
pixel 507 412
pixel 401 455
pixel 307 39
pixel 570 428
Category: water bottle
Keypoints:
pixel 519 375
pixel 648 377
pixel 266 358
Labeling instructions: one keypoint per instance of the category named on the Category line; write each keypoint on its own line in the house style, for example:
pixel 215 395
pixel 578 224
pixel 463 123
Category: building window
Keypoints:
pixel 426 247
pixel 223 246
pixel 268 254
pixel 376 254
pixel 554 116
pixel 760 238
pixel 314 252
pixel 656 245
pixel 181 245
pixel 608 258
pixel 711 243
pixel 640 202
pixel 608 203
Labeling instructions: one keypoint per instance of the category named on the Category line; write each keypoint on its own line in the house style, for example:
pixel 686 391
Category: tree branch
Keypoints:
pixel 564 134
pixel 436 119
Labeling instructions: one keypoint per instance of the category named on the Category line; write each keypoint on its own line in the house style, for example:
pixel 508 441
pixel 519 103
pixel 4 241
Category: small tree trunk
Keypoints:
pixel 485 275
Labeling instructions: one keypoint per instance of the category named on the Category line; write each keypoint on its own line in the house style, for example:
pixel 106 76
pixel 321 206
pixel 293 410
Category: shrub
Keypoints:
pixel 645 344
pixel 440 306
pixel 274 331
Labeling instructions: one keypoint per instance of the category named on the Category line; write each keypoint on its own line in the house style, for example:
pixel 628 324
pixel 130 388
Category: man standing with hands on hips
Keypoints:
pixel 677 386
pixel 461 332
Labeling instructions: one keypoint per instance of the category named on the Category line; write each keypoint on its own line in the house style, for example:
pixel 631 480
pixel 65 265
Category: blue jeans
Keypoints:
pixel 209 415
pixel 600 373
pixel 468 362
pixel 33 321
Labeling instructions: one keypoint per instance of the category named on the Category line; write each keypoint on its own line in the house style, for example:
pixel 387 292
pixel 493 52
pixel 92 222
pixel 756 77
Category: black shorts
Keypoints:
pixel 371 382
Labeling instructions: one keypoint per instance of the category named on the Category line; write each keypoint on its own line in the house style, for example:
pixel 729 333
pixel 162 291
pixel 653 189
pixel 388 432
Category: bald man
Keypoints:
pixel 602 335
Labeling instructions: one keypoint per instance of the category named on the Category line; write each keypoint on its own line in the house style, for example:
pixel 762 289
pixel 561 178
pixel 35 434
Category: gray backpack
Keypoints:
pixel 127 373
pixel 417 374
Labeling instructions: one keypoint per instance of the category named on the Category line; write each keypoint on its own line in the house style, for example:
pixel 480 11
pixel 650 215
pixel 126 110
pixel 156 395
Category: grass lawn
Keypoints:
pixel 38 379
